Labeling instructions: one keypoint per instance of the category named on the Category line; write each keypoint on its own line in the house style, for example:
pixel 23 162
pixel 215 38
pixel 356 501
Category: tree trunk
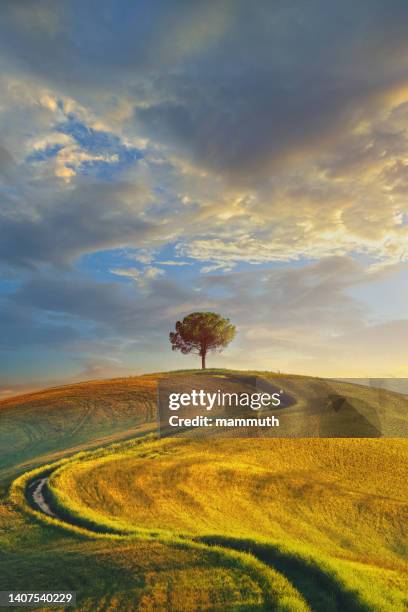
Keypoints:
pixel 203 361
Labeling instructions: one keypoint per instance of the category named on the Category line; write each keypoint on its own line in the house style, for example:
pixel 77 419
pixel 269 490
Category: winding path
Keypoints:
pixel 320 590
pixel 35 495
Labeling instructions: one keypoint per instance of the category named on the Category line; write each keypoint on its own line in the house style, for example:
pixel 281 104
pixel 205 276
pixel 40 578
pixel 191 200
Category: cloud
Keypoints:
pixel 108 309
pixel 68 223
pixel 152 272
pixel 6 160
pixel 223 265
pixel 173 263
pixel 171 134
pixel 279 153
pixel 289 319
pixel 23 328
pixel 139 276
pixel 69 159
pixel 286 313
pixel 270 96
pixel 102 368
pixel 308 320
pixel 133 273
pixel 144 256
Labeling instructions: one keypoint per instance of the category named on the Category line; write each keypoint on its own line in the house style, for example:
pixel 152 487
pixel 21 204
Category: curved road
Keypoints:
pixel 316 586
pixel 35 494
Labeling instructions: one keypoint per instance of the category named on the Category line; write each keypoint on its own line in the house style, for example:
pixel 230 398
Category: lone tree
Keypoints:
pixel 200 332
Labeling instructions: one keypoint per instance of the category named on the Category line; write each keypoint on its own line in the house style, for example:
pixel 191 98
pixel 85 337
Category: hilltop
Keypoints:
pixel 36 425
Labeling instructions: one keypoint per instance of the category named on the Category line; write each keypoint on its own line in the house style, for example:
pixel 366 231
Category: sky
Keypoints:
pixel 159 158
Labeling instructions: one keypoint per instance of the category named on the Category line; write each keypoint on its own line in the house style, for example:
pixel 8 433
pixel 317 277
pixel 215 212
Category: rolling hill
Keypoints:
pixel 37 427
pixel 211 524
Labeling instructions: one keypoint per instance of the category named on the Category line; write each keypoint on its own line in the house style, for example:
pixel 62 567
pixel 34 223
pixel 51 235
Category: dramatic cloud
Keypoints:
pixel 285 316
pixel 163 157
pixel 76 222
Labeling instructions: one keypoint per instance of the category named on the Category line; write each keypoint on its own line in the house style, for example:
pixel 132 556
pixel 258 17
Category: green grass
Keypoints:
pixel 171 573
pixel 216 524
pixel 328 515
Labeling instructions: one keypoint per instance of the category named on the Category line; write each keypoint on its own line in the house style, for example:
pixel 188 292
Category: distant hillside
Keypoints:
pixel 56 419
pixel 92 413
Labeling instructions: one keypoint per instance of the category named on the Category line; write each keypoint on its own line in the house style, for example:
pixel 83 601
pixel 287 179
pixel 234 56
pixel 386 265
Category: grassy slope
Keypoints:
pixel 323 499
pixel 326 493
pixel 38 427
pixel 44 426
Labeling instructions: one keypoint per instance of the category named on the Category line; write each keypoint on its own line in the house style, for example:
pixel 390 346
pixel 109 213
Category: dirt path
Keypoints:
pixel 36 493
pixel 320 590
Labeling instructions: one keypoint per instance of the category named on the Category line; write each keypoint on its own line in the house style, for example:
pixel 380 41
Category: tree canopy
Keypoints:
pixel 201 332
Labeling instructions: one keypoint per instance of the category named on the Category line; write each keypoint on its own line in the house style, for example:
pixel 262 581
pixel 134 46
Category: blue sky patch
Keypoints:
pixel 46 153
pixel 98 142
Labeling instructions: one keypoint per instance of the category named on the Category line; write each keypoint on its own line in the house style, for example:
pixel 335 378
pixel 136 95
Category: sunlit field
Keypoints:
pixel 346 497
pixel 335 500
pixel 212 524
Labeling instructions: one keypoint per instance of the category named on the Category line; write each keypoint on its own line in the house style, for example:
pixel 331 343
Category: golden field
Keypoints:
pixel 328 500
pixel 213 524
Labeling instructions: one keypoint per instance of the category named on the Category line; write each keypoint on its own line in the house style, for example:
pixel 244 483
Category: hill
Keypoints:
pixel 40 426
pixel 211 524
pixel 320 502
